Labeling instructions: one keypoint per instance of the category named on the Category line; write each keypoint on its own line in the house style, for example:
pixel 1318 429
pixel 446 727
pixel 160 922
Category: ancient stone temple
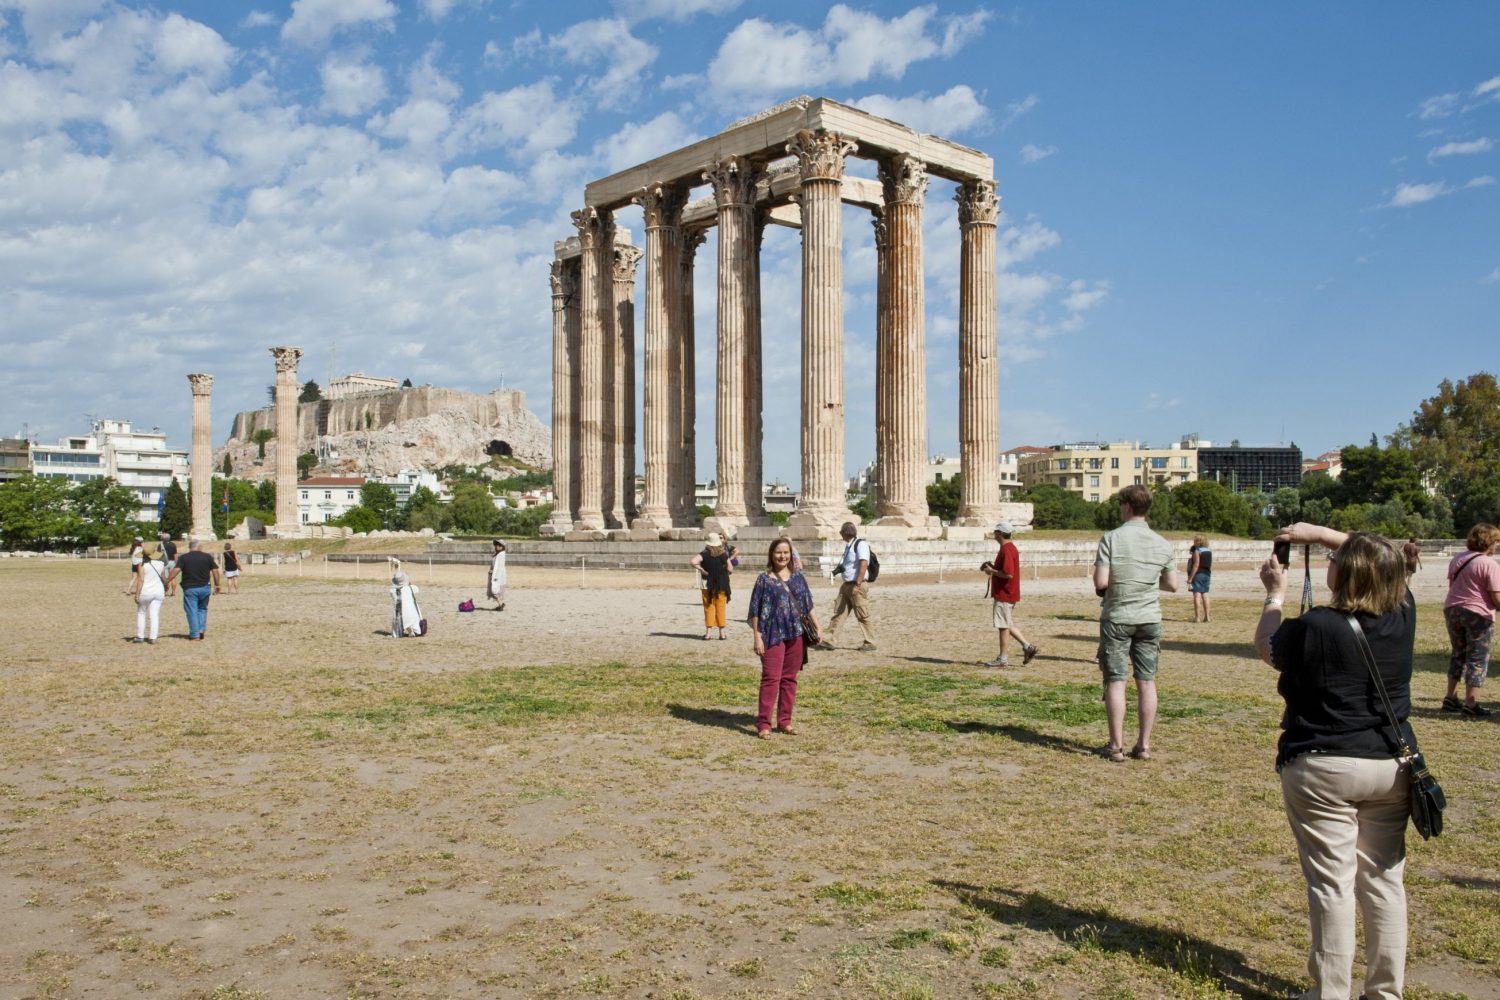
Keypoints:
pixel 784 166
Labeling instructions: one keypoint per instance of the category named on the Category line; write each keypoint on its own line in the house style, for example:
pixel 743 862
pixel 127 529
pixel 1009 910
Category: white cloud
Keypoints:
pixel 258 19
pixel 351 86
pixel 1492 278
pixel 1416 194
pixel 672 10
pixel 419 122
pixel 183 46
pixel 608 44
pixel 636 143
pixel 1440 106
pixel 953 112
pixel 1016 109
pixel 1083 296
pixel 759 59
pixel 313 22
pixel 1034 154
pixel 1460 149
pixel 1018 244
pixel 44 19
pixel 439 9
pixel 1480 182
pixel 509 119
pixel 1490 87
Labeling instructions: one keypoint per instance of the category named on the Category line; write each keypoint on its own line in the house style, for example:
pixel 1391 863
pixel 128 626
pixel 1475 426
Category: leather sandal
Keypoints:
pixel 1140 753
pixel 764 734
pixel 1115 755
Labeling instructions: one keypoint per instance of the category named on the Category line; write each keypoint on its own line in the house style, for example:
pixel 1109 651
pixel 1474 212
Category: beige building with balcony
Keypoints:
pixel 1095 470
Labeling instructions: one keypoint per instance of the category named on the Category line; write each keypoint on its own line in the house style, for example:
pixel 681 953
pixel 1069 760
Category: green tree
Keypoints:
pixel 406 383
pixel 1375 475
pixel 306 462
pixel 265 495
pixel 1053 507
pixel 417 513
pixel 863 509
pixel 228 468
pixel 473 511
pixel 704 511
pixel 242 496
pixel 381 499
pixel 1455 435
pixel 176 518
pixel 1321 486
pixel 522 522
pixel 1204 505
pixel 1287 503
pixel 358 518
pixel 310 392
pixel 105 512
pixel 260 438
pixel 943 498
pixel 1474 500
pixel 523 482
pixel 35 512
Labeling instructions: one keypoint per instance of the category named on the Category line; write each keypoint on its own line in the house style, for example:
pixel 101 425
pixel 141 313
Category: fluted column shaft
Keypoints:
pixel 287 390
pixel 734 191
pixel 565 310
pixel 821 158
pixel 755 503
pixel 596 295
pixel 662 206
pixel 901 384
pixel 202 469
pixel 978 367
pixel 686 344
pixel 626 259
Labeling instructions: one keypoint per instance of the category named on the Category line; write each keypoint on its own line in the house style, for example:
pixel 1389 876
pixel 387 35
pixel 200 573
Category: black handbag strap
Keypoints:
pixel 1404 749
pixel 1467 562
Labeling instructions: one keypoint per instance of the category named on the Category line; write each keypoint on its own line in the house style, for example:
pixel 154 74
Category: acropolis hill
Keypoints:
pixel 383 432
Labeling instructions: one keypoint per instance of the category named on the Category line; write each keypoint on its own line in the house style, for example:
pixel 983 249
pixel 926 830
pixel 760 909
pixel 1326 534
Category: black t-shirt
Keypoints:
pixel 231 564
pixel 1332 705
pixel 1206 561
pixel 717 569
pixel 169 549
pixel 197 569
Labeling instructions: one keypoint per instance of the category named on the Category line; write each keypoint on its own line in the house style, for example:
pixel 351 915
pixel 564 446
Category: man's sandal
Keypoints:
pixel 1140 753
pixel 1115 755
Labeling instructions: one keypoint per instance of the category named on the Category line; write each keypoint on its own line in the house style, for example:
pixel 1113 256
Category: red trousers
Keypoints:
pixel 779 666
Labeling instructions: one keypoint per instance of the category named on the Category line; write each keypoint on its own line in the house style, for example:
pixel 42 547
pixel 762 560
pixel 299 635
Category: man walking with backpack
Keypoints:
pixel 855 571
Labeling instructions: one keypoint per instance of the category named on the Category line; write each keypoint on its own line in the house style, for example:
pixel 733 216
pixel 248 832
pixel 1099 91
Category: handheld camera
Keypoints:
pixel 1283 552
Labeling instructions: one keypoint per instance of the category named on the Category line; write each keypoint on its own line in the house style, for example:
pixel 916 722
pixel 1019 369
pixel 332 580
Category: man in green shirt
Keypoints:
pixel 1133 565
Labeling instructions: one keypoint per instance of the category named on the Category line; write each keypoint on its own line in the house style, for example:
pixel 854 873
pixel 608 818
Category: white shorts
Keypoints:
pixel 231 573
pixel 1004 614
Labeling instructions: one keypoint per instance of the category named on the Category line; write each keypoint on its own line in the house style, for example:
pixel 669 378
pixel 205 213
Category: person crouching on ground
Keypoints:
pixel 714 564
pixel 1347 796
pixel 777 605
pixel 1005 591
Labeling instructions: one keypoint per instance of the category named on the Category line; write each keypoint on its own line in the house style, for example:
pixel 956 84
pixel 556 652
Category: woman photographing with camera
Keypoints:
pixel 1347 795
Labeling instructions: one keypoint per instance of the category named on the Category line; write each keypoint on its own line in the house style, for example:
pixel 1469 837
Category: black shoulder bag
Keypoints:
pixel 1427 798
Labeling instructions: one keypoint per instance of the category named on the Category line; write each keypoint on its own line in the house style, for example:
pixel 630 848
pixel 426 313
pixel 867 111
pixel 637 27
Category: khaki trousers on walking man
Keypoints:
pixel 854 591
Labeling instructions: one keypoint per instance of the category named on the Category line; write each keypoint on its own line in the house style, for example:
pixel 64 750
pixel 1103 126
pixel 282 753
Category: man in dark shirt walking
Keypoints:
pixel 200 581
pixel 168 556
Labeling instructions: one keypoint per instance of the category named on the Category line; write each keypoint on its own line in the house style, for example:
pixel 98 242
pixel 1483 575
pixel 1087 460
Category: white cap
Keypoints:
pixel 1004 528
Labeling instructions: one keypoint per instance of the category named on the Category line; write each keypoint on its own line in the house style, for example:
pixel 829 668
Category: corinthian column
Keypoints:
pixel 978 369
pixel 755 477
pixel 733 179
pixel 685 343
pixel 202 461
pixel 820 156
pixel 662 205
pixel 564 393
pixel 287 519
pixel 596 294
pixel 626 257
pixel 901 383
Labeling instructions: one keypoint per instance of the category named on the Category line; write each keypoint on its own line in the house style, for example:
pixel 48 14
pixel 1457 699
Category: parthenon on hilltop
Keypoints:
pixel 783 166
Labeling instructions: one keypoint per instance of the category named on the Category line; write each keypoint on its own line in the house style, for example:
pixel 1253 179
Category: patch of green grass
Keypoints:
pixel 902 940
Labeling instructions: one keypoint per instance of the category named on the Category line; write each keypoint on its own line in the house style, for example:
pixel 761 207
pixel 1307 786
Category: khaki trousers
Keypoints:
pixel 1349 817
pixel 853 597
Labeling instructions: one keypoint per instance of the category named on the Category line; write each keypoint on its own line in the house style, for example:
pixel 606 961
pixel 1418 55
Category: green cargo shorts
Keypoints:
pixel 1127 649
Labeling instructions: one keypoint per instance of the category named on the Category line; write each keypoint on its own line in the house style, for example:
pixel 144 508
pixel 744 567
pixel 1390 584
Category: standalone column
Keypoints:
pixel 686 343
pixel 596 293
pixel 202 461
pixel 978 369
pixel 734 191
pixel 901 382
pixel 626 258
pixel 755 476
pixel 564 394
pixel 287 390
pixel 820 156
pixel 663 211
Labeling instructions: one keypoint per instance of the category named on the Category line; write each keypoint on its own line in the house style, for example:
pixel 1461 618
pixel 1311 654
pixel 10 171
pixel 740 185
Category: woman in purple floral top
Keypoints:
pixel 780 598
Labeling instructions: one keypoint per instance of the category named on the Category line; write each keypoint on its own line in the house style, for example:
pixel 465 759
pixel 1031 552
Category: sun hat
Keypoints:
pixel 1004 528
pixel 714 538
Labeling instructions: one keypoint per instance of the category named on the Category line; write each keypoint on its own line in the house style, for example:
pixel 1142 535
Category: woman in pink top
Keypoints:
pixel 1473 596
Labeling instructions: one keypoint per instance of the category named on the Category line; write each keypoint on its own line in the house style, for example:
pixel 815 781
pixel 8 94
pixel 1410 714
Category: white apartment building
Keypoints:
pixel 405 483
pixel 323 498
pixel 138 460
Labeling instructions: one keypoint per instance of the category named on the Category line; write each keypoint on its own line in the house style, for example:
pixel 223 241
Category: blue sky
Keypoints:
pixel 1270 222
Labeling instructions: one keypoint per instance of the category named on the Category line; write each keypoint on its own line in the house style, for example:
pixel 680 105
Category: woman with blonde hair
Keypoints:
pixel 1469 612
pixel 714 564
pixel 1200 574
pixel 1346 793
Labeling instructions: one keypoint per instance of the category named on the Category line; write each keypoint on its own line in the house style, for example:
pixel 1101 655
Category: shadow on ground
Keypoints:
pixel 717 717
pixel 1171 951
pixel 1021 734
pixel 1242 650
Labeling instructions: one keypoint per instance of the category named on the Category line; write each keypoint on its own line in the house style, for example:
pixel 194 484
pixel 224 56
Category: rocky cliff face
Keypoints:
pixel 381 433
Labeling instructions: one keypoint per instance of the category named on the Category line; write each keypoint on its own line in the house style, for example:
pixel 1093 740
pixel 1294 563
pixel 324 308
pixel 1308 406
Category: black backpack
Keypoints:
pixel 872 569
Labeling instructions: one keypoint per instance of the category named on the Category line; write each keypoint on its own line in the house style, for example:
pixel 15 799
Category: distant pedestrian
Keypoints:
pixel 781 612
pixel 854 589
pixel 148 588
pixel 1200 572
pixel 1469 611
pixel 200 581
pixel 495 589
pixel 1412 553
pixel 231 569
pixel 137 548
pixel 1132 566
pixel 406 614
pixel 1005 592
pixel 714 565
pixel 169 555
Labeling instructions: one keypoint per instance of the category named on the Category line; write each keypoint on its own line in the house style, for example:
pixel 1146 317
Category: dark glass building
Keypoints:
pixel 1239 469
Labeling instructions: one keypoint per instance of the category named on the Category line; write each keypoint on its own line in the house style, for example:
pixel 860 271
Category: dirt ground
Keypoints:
pixel 566 799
